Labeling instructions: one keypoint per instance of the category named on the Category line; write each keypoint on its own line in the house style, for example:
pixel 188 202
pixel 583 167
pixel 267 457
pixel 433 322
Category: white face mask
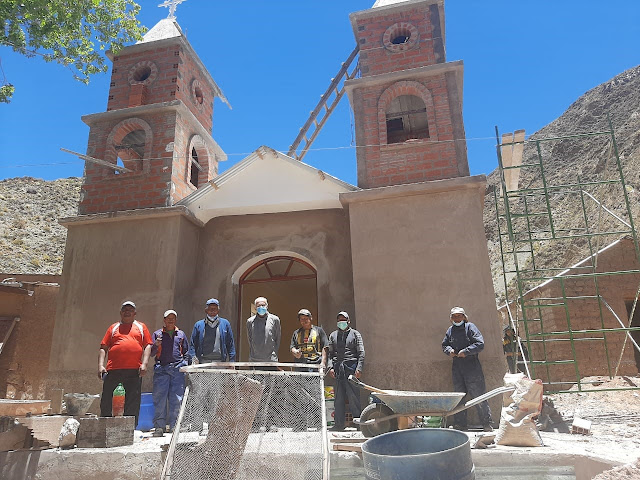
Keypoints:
pixel 458 324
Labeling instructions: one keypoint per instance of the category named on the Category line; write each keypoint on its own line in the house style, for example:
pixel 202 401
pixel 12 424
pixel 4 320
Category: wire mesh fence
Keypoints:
pixel 250 421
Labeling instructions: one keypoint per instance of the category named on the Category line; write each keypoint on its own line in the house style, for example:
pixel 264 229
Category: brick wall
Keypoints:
pixel 441 154
pixel 173 75
pixel 375 33
pixel 584 315
pixel 150 74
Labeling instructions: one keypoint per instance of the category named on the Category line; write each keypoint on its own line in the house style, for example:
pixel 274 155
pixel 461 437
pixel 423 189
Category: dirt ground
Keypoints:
pixel 615 422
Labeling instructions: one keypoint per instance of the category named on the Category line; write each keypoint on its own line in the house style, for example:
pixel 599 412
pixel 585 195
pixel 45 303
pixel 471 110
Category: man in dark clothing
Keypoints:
pixel 346 357
pixel 463 341
pixel 171 351
pixel 510 347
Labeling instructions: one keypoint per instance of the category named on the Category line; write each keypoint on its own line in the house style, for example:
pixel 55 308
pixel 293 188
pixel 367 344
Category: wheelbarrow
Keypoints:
pixel 379 418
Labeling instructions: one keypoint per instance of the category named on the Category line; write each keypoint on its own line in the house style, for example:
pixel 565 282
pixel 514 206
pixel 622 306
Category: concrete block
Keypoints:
pixel 56 401
pixel 45 429
pixel 105 432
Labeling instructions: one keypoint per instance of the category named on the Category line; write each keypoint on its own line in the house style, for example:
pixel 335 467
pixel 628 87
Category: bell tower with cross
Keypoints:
pixel 154 143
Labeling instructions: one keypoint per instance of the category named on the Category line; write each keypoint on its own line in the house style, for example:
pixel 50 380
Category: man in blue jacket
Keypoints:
pixel 463 342
pixel 212 337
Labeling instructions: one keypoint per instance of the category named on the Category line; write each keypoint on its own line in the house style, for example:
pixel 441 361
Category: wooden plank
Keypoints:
pixel 8 334
pixel 341 447
pixel 347 440
pixel 97 161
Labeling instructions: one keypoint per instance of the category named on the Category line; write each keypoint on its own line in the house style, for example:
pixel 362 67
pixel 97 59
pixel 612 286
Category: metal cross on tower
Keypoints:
pixel 172 4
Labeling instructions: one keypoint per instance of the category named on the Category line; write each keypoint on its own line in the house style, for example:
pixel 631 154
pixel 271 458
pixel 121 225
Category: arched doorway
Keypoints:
pixel 289 284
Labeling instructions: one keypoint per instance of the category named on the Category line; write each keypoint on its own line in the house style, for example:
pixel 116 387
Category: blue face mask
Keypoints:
pixel 261 310
pixel 342 324
pixel 458 324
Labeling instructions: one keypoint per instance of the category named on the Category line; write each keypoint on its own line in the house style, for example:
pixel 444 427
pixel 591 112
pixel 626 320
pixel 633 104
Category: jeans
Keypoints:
pixel 132 383
pixel 168 388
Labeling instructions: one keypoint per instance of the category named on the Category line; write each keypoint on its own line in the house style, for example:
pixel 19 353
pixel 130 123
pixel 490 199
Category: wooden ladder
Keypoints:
pixel 315 122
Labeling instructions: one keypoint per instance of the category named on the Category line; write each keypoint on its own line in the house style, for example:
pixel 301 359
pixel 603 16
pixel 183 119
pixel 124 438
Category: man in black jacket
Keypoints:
pixel 463 341
pixel 346 357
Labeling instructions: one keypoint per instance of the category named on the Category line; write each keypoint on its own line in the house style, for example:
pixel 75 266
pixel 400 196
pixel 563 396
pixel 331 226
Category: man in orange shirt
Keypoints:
pixel 128 345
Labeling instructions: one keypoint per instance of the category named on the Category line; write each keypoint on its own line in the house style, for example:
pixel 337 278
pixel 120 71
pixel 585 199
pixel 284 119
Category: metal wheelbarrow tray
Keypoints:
pixel 400 403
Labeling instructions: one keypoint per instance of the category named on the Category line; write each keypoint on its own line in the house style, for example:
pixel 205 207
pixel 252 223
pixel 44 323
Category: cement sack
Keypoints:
pixel 67 438
pixel 517 428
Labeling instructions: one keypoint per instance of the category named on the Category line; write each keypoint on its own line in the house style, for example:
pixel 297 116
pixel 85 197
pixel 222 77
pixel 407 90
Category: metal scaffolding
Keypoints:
pixel 552 301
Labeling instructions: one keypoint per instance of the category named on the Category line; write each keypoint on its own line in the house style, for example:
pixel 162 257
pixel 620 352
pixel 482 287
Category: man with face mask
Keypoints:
pixel 263 330
pixel 463 342
pixel 346 357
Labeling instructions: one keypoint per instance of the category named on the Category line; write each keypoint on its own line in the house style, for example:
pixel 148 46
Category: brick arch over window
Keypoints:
pixel 114 143
pixel 406 87
pixel 199 155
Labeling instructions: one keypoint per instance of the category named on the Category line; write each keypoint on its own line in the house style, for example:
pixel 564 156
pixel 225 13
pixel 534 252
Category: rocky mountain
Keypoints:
pixel 32 241
pixel 590 158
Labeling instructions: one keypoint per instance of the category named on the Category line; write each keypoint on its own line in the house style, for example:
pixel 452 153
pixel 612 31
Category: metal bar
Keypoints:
pixel 594 255
pixel 624 188
pixel 560 187
pixel 597 390
pixel 589 330
pixel 174 437
pixel 575 135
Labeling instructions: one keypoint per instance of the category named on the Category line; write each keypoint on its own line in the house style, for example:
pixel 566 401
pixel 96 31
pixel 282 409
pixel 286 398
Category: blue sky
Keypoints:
pixel 525 63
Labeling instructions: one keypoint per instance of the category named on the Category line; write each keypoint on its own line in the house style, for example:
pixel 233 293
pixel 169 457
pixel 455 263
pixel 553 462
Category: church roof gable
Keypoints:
pixel 266 181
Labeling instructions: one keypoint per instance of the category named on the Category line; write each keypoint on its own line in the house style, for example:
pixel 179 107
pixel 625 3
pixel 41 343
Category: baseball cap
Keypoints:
pixel 344 314
pixel 128 302
pixel 455 310
pixel 213 301
pixel 169 312
pixel 304 311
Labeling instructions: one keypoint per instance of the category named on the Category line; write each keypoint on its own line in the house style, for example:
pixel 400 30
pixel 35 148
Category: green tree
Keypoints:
pixel 70 32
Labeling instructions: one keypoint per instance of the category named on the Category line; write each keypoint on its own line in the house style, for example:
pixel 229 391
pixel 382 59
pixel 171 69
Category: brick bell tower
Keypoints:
pixel 157 127
pixel 408 102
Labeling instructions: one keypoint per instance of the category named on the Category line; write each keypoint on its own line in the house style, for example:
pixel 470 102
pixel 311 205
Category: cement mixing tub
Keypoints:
pixel 79 403
pixel 421 453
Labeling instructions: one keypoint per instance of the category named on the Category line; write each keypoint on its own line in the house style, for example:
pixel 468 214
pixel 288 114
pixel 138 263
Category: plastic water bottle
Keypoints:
pixel 117 403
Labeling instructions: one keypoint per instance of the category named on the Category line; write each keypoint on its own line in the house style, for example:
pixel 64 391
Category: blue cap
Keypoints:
pixel 212 301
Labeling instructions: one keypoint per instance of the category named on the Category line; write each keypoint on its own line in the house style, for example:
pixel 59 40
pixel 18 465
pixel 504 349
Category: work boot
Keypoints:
pixel 158 432
pixel 457 426
pixel 487 428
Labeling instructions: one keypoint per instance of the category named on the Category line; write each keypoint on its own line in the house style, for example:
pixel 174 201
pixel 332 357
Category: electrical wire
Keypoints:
pixel 319 149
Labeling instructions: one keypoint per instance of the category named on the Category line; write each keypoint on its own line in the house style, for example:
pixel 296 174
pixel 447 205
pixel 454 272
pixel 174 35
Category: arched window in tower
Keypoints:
pixel 130 150
pixel 195 168
pixel 406 119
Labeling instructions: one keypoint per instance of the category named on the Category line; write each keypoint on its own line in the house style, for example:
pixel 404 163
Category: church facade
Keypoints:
pixel 397 251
